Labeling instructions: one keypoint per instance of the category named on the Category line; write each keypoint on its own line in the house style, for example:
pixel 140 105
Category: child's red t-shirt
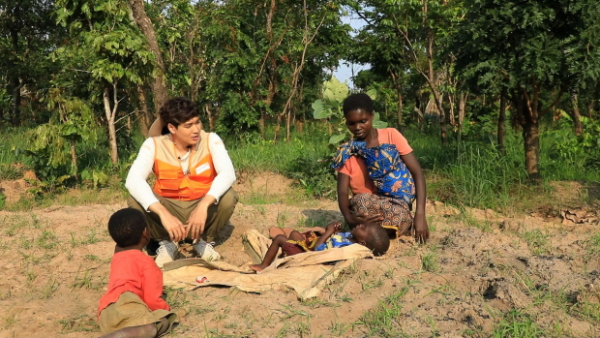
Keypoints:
pixel 355 167
pixel 134 271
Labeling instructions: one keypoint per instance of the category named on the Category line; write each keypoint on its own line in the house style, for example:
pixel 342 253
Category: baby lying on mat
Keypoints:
pixel 372 236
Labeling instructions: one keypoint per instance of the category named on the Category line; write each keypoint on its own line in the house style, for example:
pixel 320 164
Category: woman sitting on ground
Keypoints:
pixel 393 168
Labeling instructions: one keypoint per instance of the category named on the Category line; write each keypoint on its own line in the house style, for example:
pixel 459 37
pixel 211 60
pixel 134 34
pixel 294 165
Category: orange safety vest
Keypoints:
pixel 171 181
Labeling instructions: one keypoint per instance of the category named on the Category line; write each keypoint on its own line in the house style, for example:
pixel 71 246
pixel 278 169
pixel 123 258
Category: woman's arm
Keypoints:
pixel 420 222
pixel 343 182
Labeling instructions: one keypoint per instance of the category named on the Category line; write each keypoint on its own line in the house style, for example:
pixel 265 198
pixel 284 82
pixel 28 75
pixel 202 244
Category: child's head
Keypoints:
pixel 128 227
pixel 358 111
pixel 373 236
pixel 359 101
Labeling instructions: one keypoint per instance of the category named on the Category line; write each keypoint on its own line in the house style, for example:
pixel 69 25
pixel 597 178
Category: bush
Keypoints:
pixel 314 174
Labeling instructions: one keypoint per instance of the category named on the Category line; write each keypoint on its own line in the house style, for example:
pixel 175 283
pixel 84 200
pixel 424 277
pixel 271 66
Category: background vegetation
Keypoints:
pixel 497 98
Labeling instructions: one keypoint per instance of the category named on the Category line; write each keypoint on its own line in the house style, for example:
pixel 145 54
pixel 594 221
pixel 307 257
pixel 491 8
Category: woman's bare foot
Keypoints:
pixel 257 267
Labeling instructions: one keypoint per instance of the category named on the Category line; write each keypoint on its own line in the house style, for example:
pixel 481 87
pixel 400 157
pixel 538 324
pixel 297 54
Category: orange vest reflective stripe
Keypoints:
pixel 171 181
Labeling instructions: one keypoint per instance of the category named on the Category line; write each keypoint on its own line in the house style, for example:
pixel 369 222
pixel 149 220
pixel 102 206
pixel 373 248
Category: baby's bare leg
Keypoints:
pixel 296 236
pixel 271 253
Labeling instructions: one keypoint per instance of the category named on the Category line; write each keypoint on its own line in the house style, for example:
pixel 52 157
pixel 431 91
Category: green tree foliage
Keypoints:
pixel 401 38
pixel 112 50
pixel 51 143
pixel 27 32
pixel 538 49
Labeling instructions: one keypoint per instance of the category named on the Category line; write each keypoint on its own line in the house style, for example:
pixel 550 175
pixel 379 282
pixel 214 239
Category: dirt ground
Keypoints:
pixel 479 271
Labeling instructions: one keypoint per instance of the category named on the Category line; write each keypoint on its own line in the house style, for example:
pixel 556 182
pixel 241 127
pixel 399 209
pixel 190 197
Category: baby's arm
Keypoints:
pixel 332 228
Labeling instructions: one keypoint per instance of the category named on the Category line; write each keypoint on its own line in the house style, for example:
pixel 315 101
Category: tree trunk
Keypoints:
pixel 531 137
pixel 462 104
pixel 159 86
pixel 261 124
pixel 74 160
pixel 400 107
pixel 576 115
pixel 502 122
pixel 277 127
pixel 440 109
pixel 15 116
pixel 300 126
pixel 590 108
pixel 307 39
pixel 142 112
pixel 451 116
pixel 288 135
pixel 110 120
pixel 211 119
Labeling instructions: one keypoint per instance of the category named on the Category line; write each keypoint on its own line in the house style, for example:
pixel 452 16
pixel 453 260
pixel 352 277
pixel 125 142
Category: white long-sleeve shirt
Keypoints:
pixel 140 190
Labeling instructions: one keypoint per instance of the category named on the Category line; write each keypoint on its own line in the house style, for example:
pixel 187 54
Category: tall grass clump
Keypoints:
pixel 483 177
pixel 516 324
pixel 12 157
pixel 305 158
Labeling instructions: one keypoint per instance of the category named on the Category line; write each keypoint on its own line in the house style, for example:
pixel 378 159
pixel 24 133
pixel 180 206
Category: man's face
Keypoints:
pixel 187 133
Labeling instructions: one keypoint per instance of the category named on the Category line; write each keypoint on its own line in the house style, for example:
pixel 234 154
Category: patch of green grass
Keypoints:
pixel 384 319
pixel 337 329
pixel 86 281
pixel 290 311
pixel 79 323
pixel 49 288
pixel 302 327
pixel 2 200
pixel 369 281
pixel 47 240
pixel 92 258
pixel 536 241
pixel 24 203
pixel 176 298
pixel 517 324
pixel 429 262
pixel 9 321
pixel 92 238
pixel 314 303
pixel 15 224
pixel 592 246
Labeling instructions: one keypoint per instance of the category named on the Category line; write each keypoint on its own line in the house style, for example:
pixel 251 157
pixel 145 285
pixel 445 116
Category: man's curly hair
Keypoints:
pixel 178 110
pixel 378 240
pixel 126 227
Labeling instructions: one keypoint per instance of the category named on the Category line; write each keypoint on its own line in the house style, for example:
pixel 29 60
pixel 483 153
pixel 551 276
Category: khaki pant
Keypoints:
pixel 130 310
pixel 218 214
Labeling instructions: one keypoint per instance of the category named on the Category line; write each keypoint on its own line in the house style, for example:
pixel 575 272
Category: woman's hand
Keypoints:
pixel 421 228
pixel 356 219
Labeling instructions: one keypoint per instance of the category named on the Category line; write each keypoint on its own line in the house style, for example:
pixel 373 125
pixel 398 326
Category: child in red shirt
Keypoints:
pixel 132 306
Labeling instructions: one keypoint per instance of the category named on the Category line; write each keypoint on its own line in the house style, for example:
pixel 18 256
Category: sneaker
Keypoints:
pixel 206 251
pixel 166 253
